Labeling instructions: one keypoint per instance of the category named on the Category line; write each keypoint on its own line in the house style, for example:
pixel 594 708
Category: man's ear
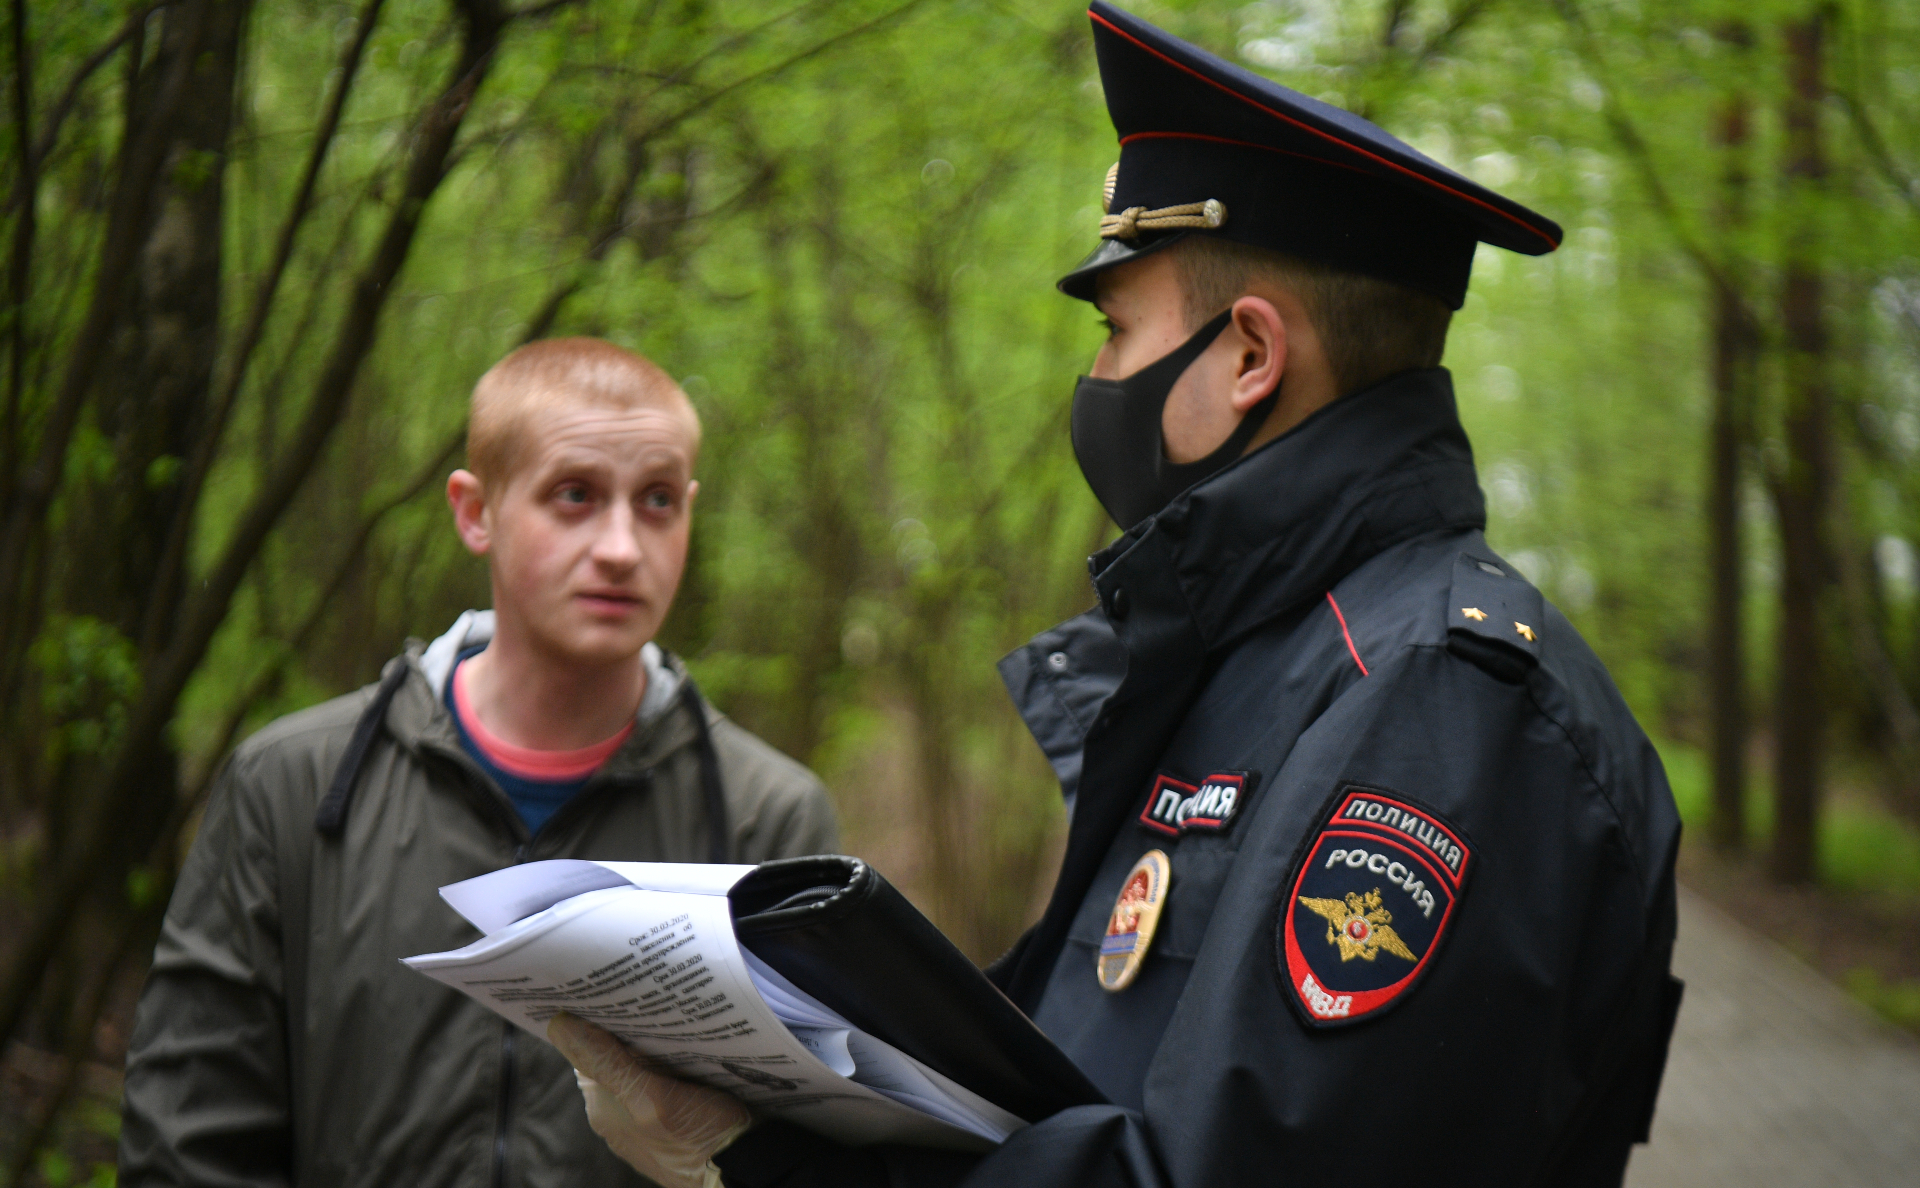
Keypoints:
pixel 1263 351
pixel 467 496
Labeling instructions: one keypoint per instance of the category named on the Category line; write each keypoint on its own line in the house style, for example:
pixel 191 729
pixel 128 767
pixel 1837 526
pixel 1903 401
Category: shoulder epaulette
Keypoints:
pixel 1494 617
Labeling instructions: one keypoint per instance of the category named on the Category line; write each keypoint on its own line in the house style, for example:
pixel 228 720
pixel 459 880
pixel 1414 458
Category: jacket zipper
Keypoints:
pixel 503 1127
pixel 506 1108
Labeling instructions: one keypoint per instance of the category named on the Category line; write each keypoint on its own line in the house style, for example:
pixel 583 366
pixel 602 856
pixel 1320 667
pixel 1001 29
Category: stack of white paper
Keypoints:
pixel 647 951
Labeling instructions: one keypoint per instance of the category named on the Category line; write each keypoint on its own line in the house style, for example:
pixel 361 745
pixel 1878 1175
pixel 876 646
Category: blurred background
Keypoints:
pixel 257 252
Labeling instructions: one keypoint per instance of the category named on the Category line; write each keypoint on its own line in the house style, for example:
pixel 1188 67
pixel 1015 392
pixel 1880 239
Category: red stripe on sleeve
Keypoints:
pixel 1348 635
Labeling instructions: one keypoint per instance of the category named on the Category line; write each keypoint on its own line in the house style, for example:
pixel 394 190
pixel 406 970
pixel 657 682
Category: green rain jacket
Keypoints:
pixel 279 1041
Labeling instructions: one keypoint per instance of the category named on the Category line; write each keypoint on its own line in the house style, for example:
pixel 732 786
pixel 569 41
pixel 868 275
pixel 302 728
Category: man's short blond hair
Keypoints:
pixel 1370 328
pixel 540 375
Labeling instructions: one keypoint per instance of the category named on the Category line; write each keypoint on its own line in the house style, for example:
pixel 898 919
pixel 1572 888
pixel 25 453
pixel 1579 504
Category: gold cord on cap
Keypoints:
pixel 1129 223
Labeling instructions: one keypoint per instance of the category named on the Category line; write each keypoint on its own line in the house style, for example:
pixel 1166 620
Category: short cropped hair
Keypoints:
pixel 1370 328
pixel 539 375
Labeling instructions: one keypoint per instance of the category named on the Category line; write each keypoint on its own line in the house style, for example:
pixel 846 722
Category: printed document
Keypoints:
pixel 647 951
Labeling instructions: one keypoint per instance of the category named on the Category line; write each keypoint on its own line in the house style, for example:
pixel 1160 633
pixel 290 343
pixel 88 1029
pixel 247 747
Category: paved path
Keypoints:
pixel 1777 1079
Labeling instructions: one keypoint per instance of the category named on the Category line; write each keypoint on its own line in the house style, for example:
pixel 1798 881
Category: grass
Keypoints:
pixel 1863 850
pixel 1897 1001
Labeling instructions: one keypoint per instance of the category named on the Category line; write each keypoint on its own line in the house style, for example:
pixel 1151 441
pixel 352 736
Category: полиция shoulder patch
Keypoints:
pixel 1365 911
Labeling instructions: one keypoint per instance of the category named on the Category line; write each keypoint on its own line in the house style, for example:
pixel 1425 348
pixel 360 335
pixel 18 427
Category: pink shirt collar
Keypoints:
pixel 527 762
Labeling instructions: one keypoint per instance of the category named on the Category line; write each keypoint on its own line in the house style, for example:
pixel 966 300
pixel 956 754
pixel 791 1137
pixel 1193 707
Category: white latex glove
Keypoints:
pixel 666 1129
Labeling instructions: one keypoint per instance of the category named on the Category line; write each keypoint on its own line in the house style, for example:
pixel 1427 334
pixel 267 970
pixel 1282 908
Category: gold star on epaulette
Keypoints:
pixel 1474 613
pixel 1525 631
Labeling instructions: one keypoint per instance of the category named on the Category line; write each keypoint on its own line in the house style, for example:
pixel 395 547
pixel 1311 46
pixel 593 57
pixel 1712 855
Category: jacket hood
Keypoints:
pixel 474 629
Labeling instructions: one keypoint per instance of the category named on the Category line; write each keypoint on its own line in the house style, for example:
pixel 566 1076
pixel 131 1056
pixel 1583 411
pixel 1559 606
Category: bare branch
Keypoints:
pixel 1458 21
pixel 80 1029
pixel 1883 675
pixel 534 12
pixel 62 107
pixel 20 263
pixel 727 45
pixel 713 97
pixel 303 637
pixel 1903 183
pixel 1394 19
pixel 1640 155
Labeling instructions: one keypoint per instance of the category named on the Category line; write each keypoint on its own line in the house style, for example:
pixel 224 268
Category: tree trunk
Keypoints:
pixel 20 262
pixel 152 398
pixel 1802 488
pixel 1735 347
pixel 38 481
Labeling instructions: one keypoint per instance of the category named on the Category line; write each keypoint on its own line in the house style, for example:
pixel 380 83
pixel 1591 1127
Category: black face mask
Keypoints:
pixel 1117 440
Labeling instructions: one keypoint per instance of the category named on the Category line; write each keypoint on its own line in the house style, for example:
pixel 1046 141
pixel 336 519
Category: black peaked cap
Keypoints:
pixel 1286 171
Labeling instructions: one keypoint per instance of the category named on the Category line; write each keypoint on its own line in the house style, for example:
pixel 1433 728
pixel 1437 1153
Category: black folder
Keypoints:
pixel 836 929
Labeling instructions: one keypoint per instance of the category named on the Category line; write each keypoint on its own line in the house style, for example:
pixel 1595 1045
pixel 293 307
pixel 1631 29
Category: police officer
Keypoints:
pixel 1370 872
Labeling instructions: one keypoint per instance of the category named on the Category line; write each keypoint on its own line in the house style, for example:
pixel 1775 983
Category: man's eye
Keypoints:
pixel 573 495
pixel 658 500
pixel 1107 325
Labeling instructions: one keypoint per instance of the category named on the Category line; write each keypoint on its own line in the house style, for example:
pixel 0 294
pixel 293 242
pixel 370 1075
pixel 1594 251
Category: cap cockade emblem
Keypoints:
pixel 1106 187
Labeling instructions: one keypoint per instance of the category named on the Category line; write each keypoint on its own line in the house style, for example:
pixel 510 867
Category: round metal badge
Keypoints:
pixel 1136 913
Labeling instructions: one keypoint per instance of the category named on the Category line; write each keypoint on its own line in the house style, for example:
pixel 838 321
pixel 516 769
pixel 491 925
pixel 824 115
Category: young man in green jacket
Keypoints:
pixel 279 1039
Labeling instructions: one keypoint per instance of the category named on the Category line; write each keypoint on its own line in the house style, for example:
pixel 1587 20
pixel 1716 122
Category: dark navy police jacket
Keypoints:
pixel 1421 910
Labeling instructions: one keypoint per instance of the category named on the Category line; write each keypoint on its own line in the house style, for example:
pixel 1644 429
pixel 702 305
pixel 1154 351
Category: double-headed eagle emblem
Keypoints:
pixel 1360 925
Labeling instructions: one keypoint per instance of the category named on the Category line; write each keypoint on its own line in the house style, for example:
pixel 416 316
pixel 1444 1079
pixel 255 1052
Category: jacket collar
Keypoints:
pixel 419 714
pixel 1284 524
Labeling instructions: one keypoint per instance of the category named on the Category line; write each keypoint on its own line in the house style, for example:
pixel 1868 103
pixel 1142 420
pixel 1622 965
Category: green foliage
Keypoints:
pixel 1864 848
pixel 58 1171
pixel 1896 1001
pixel 88 673
pixel 162 472
pixel 143 887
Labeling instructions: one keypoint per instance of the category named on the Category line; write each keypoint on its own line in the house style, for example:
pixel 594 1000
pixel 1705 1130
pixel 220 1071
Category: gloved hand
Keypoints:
pixel 667 1129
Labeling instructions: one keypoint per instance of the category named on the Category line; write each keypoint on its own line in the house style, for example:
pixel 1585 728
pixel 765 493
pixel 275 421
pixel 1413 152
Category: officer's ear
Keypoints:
pixel 467 497
pixel 1262 333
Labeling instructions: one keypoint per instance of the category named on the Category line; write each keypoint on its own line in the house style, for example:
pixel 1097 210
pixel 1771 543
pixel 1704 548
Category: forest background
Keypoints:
pixel 257 251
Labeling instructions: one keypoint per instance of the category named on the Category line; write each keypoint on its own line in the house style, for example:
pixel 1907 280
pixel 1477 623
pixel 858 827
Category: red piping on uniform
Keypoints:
pixel 1552 243
pixel 1265 148
pixel 1351 650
